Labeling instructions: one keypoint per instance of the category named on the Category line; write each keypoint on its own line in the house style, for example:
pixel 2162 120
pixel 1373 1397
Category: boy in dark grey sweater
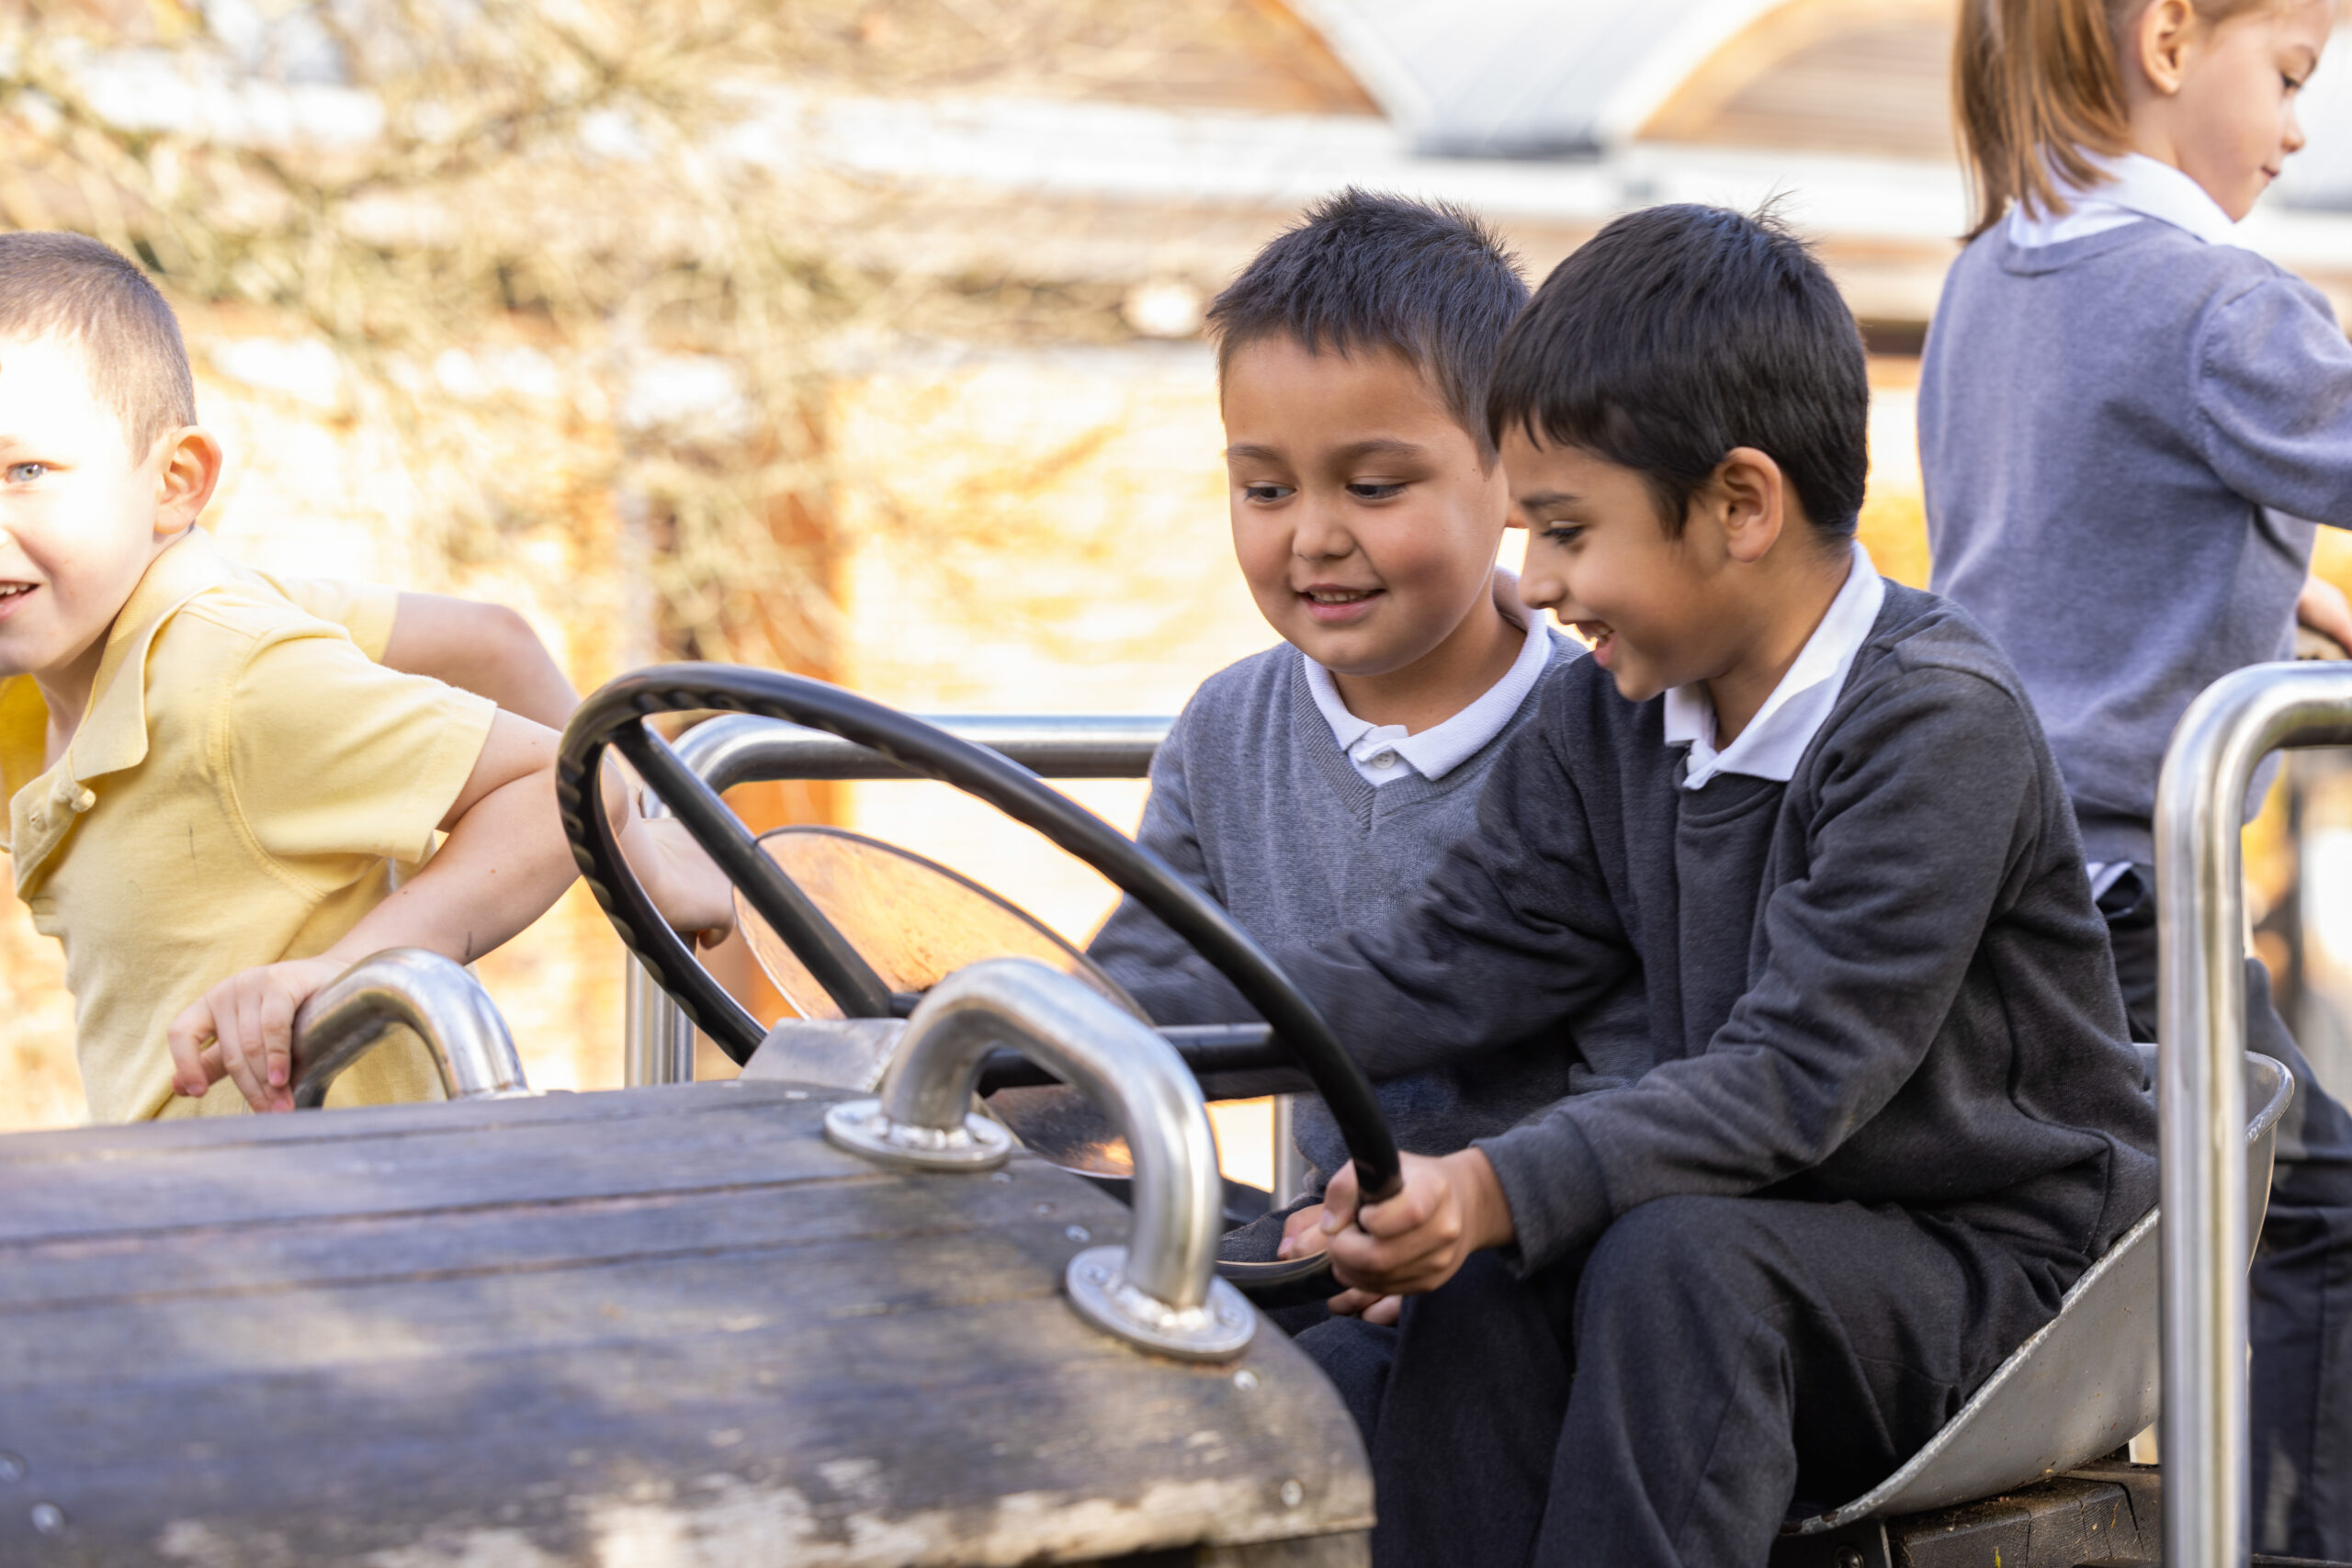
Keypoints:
pixel 1317 784
pixel 1887 1114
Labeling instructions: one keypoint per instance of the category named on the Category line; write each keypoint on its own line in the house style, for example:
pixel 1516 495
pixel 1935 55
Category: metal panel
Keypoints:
pixel 2081 1386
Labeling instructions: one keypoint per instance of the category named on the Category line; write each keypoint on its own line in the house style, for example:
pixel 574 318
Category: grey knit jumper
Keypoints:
pixel 1252 799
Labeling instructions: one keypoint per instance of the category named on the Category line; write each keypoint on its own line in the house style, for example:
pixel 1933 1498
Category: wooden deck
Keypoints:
pixel 635 1329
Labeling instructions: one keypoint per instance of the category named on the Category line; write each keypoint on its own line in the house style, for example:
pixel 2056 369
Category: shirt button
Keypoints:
pixel 86 799
pixel 1384 759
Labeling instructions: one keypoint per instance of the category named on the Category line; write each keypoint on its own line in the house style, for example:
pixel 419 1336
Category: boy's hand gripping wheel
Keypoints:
pixel 615 716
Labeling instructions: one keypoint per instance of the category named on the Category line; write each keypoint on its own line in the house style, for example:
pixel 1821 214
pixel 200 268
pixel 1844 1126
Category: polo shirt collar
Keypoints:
pixel 1776 739
pixel 2136 187
pixel 1441 748
pixel 113 733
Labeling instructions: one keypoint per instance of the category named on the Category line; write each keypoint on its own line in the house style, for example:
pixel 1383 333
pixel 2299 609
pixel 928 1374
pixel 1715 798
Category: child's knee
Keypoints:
pixel 1669 1257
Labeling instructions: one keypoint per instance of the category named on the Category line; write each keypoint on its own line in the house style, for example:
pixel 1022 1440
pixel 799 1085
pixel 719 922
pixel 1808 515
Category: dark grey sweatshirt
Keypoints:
pixel 2118 435
pixel 1253 801
pixel 1883 981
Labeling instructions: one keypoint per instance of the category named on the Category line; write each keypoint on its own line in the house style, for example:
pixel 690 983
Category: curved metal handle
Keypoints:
pixel 2202 1227
pixel 1161 1290
pixel 445 1006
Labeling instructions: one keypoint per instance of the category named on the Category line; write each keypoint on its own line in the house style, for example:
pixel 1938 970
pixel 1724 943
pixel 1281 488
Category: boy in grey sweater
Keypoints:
pixel 1886 1112
pixel 1316 784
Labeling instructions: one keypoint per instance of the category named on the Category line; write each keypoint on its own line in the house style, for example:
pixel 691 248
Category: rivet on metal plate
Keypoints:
pixel 1245 1380
pixel 48 1518
pixel 1293 1494
pixel 1078 1232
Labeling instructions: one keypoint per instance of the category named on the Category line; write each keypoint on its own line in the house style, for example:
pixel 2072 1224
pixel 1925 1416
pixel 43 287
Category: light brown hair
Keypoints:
pixel 74 287
pixel 2037 87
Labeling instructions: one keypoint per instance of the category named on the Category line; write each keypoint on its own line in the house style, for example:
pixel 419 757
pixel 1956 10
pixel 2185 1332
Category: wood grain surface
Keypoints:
pixel 647 1329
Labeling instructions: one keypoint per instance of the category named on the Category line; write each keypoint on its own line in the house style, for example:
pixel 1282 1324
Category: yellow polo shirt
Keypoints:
pixel 246 784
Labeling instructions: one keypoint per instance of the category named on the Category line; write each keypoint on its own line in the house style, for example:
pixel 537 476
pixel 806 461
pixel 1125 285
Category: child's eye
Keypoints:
pixel 1563 533
pixel 1265 494
pixel 26 473
pixel 1374 490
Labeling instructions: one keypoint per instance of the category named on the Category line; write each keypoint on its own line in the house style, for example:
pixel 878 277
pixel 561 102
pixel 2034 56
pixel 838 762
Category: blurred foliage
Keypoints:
pixel 446 191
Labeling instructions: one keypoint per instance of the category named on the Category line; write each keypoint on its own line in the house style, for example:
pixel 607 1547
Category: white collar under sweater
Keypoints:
pixel 2138 187
pixel 1385 752
pixel 1776 738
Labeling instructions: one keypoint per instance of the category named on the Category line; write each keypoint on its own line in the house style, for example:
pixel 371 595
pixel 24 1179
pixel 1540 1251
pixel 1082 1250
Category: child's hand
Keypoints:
pixel 243 1029
pixel 1414 1242
pixel 691 892
pixel 2323 608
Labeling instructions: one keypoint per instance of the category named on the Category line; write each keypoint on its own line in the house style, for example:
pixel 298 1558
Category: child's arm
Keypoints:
pixel 488 649
pixel 502 864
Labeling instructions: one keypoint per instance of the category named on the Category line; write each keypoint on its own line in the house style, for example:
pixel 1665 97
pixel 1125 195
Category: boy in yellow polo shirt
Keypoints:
pixel 216 802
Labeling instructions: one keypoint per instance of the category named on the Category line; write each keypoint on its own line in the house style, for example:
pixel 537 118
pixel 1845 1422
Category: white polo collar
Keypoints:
pixel 2137 187
pixel 1441 748
pixel 1776 738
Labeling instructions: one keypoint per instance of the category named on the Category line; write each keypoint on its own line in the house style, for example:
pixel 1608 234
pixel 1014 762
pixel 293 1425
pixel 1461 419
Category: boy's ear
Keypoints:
pixel 1750 496
pixel 191 471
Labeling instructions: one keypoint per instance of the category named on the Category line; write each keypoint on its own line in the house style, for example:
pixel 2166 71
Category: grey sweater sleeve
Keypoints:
pixel 1516 933
pixel 2273 387
pixel 1171 982
pixel 1909 855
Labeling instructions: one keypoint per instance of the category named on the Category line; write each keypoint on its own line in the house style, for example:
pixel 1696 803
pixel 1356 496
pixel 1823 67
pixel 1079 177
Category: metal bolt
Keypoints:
pixel 48 1518
pixel 796 1094
pixel 1293 1494
pixel 12 1466
pixel 1078 1232
pixel 1044 1208
pixel 1000 1176
pixel 1096 1274
pixel 1245 1380
pixel 1849 1557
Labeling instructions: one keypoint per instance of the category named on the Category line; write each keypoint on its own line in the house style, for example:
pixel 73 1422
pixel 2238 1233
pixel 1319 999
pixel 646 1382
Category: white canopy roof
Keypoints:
pixel 1516 77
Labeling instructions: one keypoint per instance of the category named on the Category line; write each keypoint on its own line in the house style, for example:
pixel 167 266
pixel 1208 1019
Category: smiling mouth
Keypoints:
pixel 1337 595
pixel 14 591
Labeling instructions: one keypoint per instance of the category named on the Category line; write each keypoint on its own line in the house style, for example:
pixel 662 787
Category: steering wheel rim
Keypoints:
pixel 614 715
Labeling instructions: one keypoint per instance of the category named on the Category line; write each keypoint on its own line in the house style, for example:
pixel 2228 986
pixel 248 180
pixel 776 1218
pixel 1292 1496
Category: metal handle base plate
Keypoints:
pixel 860 1126
pixel 1217 1330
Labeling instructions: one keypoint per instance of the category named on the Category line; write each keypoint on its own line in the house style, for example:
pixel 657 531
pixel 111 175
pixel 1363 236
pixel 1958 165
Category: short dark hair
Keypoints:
pixel 1679 332
pixel 1361 270
pixel 74 287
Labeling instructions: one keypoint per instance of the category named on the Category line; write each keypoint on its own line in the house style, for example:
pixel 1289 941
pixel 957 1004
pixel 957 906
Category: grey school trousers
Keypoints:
pixel 1662 1401
pixel 2301 1290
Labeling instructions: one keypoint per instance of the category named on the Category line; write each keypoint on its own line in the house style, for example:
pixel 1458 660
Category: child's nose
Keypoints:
pixel 1320 534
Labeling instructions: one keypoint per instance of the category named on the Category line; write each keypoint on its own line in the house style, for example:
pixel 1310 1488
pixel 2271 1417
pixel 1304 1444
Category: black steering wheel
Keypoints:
pixel 614 714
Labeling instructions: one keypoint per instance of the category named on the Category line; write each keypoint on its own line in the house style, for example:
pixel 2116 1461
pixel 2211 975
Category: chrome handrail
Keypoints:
pixel 437 997
pixel 736 748
pixel 1160 1291
pixel 2201 1013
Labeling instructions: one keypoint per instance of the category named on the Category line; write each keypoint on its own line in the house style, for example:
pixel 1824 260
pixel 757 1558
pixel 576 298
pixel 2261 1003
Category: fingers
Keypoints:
pixel 1348 1303
pixel 1386 1310
pixel 1301 1233
pixel 1339 1200
pixel 195 1068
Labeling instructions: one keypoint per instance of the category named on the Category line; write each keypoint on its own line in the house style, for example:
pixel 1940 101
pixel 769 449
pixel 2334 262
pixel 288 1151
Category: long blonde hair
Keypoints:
pixel 2038 89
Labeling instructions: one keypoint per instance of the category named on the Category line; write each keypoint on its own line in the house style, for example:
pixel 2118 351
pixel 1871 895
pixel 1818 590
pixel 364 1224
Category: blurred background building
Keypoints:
pixel 861 337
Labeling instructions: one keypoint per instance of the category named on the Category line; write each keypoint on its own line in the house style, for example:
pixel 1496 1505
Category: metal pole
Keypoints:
pixel 2202 1223
pixel 737 748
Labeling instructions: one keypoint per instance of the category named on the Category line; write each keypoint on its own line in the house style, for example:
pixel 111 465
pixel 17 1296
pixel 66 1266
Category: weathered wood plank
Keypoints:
pixel 777 1355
